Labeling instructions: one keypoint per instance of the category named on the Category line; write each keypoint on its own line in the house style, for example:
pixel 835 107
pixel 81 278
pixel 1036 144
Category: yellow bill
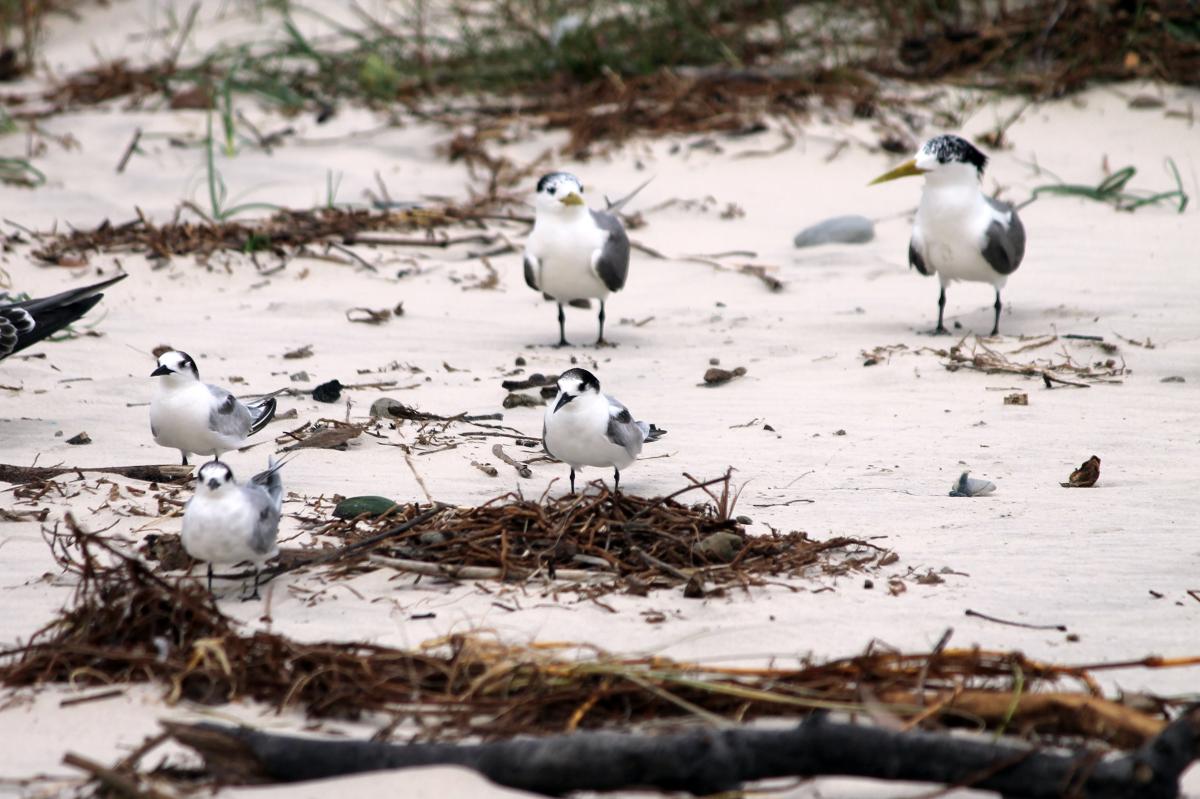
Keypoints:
pixel 907 169
pixel 572 199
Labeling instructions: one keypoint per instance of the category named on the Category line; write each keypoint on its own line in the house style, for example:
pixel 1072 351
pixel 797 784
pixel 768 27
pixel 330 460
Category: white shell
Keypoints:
pixel 968 486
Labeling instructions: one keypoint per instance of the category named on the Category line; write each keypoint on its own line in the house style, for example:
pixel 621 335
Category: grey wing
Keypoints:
pixel 1004 245
pixel 266 519
pixel 612 266
pixel 916 261
pixel 228 416
pixel 531 275
pixel 622 429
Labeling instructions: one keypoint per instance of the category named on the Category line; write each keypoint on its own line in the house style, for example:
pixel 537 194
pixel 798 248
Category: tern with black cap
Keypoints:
pixel 574 253
pixel 585 427
pixel 959 232
pixel 225 522
pixel 195 417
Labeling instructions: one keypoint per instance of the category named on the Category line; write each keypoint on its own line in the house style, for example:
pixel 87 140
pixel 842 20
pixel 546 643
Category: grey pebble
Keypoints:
pixel 852 229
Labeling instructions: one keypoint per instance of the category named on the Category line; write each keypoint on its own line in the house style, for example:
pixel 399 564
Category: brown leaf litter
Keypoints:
pixel 1085 476
pixel 126 624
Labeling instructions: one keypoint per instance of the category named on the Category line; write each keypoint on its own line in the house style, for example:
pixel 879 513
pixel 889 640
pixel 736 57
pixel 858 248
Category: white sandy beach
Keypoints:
pixel 1033 552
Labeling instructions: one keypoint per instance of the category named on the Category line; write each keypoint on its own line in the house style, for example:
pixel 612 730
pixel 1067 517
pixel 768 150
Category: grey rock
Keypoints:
pixel 722 547
pixel 382 407
pixel 852 229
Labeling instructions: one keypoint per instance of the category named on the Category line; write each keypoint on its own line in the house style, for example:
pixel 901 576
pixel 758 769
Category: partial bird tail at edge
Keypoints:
pixel 51 314
pixel 654 433
pixel 265 413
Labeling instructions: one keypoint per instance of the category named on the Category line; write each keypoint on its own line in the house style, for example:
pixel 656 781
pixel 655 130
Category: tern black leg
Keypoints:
pixel 616 480
pixel 941 330
pixel 562 327
pixel 572 481
pixel 184 454
pixel 254 593
pixel 600 338
pixel 996 323
pixel 210 578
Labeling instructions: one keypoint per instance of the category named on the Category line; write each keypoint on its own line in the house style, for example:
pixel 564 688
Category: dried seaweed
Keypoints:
pixel 614 541
pixel 976 354
pixel 285 232
pixel 125 624
pixel 607 73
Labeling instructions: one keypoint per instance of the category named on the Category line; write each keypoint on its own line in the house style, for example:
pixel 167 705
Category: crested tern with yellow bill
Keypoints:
pixel 959 232
pixel 574 253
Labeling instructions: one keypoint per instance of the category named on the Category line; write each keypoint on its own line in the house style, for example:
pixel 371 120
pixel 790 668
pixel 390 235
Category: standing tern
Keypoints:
pixel 960 233
pixel 29 321
pixel 228 523
pixel 573 252
pixel 585 427
pixel 192 416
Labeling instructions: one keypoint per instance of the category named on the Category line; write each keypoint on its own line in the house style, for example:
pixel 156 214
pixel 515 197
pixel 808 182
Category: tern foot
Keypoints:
pixel 561 344
pixel 602 343
pixel 252 597
pixel 940 330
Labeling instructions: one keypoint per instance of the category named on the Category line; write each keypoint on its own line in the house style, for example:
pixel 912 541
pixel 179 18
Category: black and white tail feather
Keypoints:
pixel 263 410
pixel 269 478
pixel 25 323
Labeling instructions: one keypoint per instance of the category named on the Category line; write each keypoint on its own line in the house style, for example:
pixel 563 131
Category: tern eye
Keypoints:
pixel 552 190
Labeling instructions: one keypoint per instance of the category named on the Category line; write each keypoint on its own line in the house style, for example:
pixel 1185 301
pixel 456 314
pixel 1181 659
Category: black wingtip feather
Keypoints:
pixel 655 433
pixel 266 410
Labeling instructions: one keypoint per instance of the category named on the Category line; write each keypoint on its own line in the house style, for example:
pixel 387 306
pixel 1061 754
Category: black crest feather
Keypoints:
pixel 551 177
pixel 949 148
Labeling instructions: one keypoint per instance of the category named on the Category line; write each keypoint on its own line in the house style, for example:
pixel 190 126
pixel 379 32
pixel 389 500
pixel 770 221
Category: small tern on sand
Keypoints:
pixel 960 233
pixel 29 321
pixel 228 523
pixel 192 416
pixel 585 427
pixel 574 253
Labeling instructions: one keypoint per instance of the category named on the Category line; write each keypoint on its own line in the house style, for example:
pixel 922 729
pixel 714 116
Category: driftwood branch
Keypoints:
pixel 461 572
pixel 151 474
pixel 711 761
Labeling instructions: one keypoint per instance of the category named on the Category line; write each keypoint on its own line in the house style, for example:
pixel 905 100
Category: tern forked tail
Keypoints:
pixel 25 323
pixel 264 412
pixel 654 433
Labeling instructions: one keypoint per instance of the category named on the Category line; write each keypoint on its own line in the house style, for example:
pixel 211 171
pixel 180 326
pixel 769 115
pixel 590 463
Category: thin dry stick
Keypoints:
pixel 420 481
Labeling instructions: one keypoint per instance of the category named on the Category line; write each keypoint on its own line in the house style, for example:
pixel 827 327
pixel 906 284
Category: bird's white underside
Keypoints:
pixel 566 247
pixel 218 528
pixel 950 233
pixel 577 434
pixel 179 417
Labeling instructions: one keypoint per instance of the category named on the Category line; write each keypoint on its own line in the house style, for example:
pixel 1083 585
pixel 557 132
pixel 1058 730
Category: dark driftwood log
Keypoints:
pixel 151 474
pixel 712 761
